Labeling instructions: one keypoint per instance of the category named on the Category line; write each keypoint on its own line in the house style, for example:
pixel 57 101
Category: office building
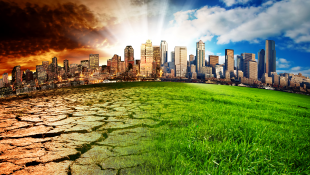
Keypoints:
pixel 129 57
pixel 252 69
pixel 5 78
pixel 200 55
pixel 66 66
pixel 94 62
pixel 213 60
pixel 246 58
pixel 270 57
pixel 85 63
pixel 146 64
pixel 41 74
pixel 163 52
pixel 261 62
pixel 157 61
pixel 229 60
pixel 180 61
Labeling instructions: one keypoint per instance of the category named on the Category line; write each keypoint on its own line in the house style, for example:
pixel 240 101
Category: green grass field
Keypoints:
pixel 214 129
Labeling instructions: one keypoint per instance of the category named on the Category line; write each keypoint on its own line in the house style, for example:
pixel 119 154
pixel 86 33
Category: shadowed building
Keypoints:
pixel 54 61
pixel 261 63
pixel 240 63
pixel 180 53
pixel 229 60
pixel 16 75
pixel 146 64
pixel 85 63
pixel 5 78
pixel 163 52
pixel 45 64
pixel 41 74
pixel 94 62
pixel 28 75
pixel 129 57
pixel 270 57
pixel 66 66
pixel 200 55
pixel 157 61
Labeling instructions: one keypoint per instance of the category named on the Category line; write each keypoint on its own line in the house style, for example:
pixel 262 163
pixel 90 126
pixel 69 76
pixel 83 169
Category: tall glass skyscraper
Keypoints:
pixel 200 55
pixel 270 57
pixel 164 51
pixel 261 62
pixel 180 61
pixel 146 59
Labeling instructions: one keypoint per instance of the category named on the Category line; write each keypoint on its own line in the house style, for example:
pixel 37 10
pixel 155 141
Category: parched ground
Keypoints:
pixel 93 130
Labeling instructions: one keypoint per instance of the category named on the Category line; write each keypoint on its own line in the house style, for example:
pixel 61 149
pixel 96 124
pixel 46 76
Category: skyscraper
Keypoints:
pixel 66 66
pixel 229 60
pixel 172 56
pixel 213 60
pixel 94 61
pixel 129 57
pixel 163 51
pixel 180 61
pixel 16 75
pixel 200 55
pixel 54 61
pixel 146 59
pixel 246 58
pixel 45 64
pixel 261 62
pixel 252 69
pixel 157 60
pixel 270 57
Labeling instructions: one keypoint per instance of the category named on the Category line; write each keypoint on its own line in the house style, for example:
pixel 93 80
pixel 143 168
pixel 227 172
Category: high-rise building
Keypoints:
pixel 85 63
pixel 1 83
pixel 157 60
pixel 180 61
pixel 252 69
pixel 240 63
pixel 94 61
pixel 270 57
pixel 66 66
pixel 172 57
pixel 246 58
pixel 129 57
pixel 146 64
pixel 16 75
pixel 261 63
pixel 5 78
pixel 213 60
pixel 200 55
pixel 191 57
pixel 229 60
pixel 54 61
pixel 28 75
pixel 41 74
pixel 163 52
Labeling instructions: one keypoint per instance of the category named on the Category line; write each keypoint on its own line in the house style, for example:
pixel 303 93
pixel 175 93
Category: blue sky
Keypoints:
pixel 251 22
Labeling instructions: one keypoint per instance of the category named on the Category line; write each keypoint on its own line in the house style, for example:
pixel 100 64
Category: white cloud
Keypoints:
pixel 289 18
pixel 297 68
pixel 232 2
pixel 283 63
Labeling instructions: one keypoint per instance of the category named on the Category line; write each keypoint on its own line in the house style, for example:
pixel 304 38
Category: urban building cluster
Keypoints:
pixel 154 65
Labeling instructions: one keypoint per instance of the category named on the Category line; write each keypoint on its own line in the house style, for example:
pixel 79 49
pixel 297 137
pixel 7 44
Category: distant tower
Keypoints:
pixel 66 66
pixel 180 61
pixel 146 63
pixel 252 69
pixel 94 61
pixel 200 55
pixel 156 60
pixel 261 62
pixel 270 57
pixel 229 60
pixel 213 60
pixel 172 56
pixel 163 51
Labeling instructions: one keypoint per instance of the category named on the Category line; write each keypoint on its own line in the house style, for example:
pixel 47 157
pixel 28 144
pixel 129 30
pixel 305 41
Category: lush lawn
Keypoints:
pixel 214 129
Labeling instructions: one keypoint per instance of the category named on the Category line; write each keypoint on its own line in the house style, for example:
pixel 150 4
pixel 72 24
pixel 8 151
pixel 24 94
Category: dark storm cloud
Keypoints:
pixel 34 29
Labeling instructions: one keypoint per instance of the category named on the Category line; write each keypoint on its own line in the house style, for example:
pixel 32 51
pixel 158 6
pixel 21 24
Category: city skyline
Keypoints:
pixel 177 22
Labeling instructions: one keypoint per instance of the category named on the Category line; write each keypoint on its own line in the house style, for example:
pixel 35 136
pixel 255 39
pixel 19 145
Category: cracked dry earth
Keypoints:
pixel 75 131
